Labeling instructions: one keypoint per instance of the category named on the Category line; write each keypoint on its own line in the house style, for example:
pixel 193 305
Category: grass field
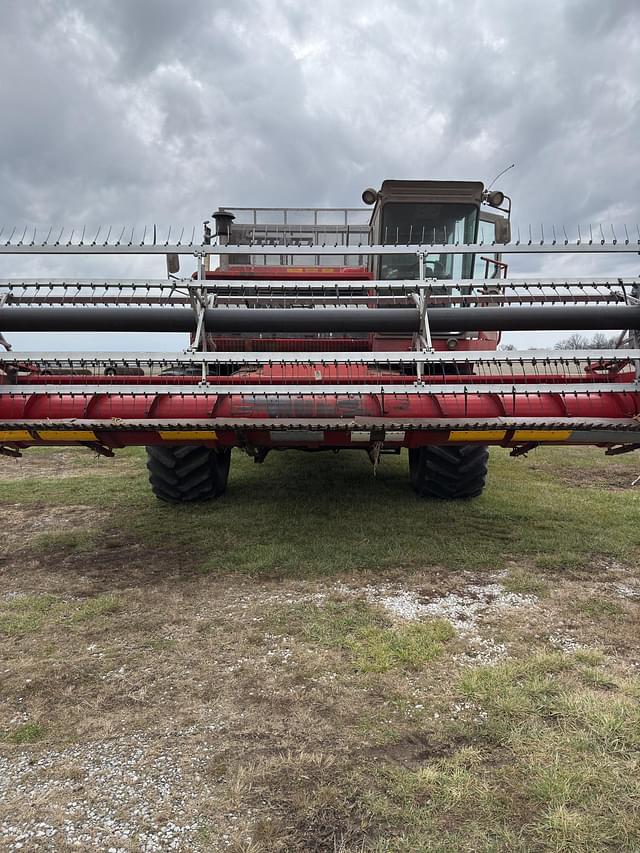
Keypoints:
pixel 320 661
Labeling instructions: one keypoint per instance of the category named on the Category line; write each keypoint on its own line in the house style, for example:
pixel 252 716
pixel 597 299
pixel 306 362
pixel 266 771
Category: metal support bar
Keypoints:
pixel 123 285
pixel 308 390
pixel 3 341
pixel 336 249
pixel 542 357
pixel 606 426
pixel 199 300
pixel 400 320
pixel 424 331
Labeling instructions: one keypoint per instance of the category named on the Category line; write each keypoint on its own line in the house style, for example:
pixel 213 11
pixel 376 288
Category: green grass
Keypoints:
pixel 24 614
pixel 525 582
pixel 410 647
pixel 69 541
pixel 306 515
pixel 94 608
pixel 540 763
pixel 599 608
pixel 29 614
pixel 372 643
pixel 26 733
pixel 589 657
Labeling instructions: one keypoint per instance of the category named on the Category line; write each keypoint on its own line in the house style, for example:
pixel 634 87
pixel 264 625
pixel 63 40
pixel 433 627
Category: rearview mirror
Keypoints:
pixel 173 264
pixel 503 230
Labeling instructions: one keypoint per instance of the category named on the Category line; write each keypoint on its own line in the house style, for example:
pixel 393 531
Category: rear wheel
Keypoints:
pixel 448 472
pixel 187 472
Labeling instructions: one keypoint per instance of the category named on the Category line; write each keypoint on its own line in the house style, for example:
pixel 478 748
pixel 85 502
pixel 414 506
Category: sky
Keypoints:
pixel 133 112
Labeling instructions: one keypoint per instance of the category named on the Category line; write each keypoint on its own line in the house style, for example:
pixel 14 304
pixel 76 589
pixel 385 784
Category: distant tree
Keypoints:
pixel 602 341
pixel 578 341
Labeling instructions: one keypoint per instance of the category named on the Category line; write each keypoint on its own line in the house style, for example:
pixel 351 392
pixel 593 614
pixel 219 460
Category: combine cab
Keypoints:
pixel 371 329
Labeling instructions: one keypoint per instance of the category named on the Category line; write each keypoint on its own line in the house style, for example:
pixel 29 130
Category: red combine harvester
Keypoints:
pixel 332 330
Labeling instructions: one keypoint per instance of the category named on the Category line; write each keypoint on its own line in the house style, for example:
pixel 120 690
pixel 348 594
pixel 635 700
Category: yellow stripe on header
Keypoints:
pixel 15 435
pixel 542 434
pixel 477 435
pixel 67 435
pixel 186 435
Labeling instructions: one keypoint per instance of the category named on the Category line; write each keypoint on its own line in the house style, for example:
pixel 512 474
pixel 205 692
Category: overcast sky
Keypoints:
pixel 143 111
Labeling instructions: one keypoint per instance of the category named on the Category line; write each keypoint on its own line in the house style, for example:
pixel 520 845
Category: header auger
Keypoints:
pixel 327 330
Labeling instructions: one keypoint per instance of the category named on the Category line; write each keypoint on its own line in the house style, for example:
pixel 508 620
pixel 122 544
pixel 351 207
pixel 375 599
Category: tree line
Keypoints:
pixel 578 341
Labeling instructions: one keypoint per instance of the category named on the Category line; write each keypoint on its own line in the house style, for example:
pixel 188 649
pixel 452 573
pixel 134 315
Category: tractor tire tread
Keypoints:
pixel 187 473
pixel 449 473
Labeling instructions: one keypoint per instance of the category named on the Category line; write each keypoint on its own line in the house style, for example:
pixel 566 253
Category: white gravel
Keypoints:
pixel 462 609
pixel 624 590
pixel 467 611
pixel 565 643
pixel 110 795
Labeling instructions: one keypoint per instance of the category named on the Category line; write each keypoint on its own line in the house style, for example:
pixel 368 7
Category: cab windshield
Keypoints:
pixel 418 222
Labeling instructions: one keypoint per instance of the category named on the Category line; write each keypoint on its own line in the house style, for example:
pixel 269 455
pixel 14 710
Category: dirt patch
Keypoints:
pixel 614 478
pixel 60 549
pixel 22 523
pixel 417 749
pixel 112 561
pixel 47 463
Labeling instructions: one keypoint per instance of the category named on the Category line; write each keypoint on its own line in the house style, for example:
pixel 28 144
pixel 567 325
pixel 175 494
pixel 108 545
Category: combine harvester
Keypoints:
pixel 326 330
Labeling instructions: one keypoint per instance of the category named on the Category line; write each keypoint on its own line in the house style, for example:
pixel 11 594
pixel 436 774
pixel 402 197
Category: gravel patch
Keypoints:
pixel 624 590
pixel 465 610
pixel 565 643
pixel 135 793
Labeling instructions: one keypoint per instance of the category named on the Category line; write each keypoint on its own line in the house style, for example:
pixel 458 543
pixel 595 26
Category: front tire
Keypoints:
pixel 448 473
pixel 187 472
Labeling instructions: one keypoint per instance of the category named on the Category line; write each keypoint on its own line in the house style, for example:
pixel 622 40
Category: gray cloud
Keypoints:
pixel 158 111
